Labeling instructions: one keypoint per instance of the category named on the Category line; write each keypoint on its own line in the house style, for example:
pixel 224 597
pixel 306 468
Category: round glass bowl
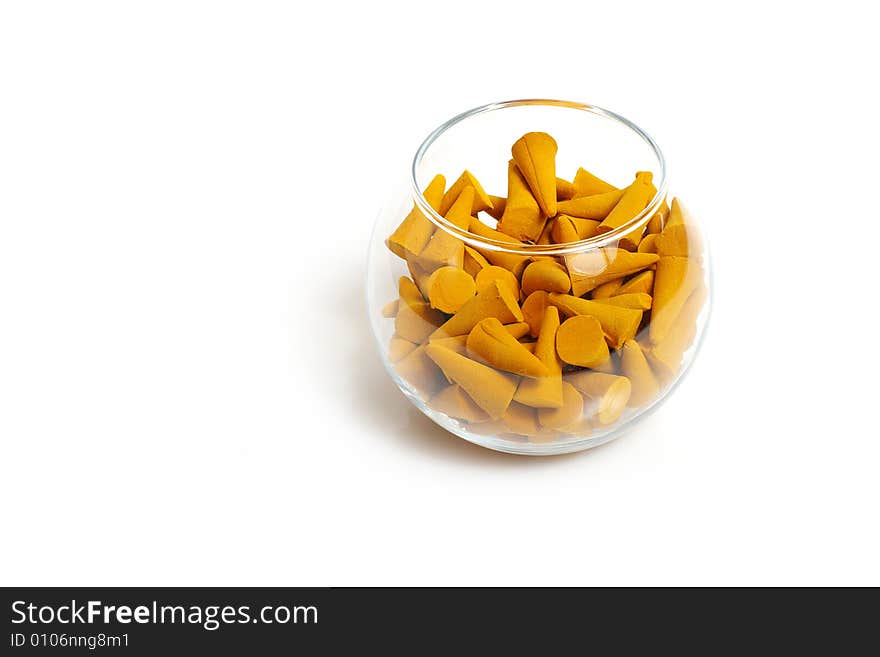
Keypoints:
pixel 551 317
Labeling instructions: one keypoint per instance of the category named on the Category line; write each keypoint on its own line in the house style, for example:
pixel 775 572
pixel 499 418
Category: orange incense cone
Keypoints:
pixel 676 278
pixel 449 288
pixel 513 262
pixel 580 341
pixel 606 290
pixel 635 300
pixel 455 402
pixel 564 189
pixel 596 206
pixel 610 392
pixel 546 275
pixel 535 156
pixel 490 389
pixel 500 274
pixel 420 372
pixel 546 391
pixel 590 269
pixel 570 412
pixel 586 184
pixel 522 216
pixel 665 357
pixel 640 283
pixel 499 203
pixel 648 243
pixel 480 200
pixel 645 387
pixel 533 311
pixel 444 248
pixel 414 232
pixel 658 219
pixel 474 261
pixel 491 342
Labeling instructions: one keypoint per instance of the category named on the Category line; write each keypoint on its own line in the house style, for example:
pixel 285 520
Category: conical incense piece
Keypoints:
pixel 608 289
pixel 588 270
pixel 609 391
pixel 449 288
pixel 596 206
pixel 580 341
pixel 586 184
pixel 491 390
pixel 474 261
pixel 491 342
pixel 635 300
pixel 571 410
pixel 645 387
pixel 535 156
pixel 546 391
pixel 414 232
pixel 643 282
pixel 480 200
pixel 618 324
pixel 513 262
pixel 546 275
pixel 520 419
pixel 499 203
pixel 564 189
pixel 420 372
pixel 455 402
pixel 533 311
pixel 444 248
pixel 676 278
pixel 500 274
pixel 522 218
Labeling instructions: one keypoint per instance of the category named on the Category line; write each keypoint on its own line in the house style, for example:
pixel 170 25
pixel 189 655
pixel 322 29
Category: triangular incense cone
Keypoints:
pixel 521 420
pixel 570 412
pixel 500 274
pixel 499 203
pixel 610 391
pixel 618 324
pixel 635 198
pixel 408 291
pixel 596 206
pixel 643 282
pixel 517 329
pixel 648 243
pixel 416 321
pixel 665 357
pixel 533 311
pixel 444 248
pixel 535 155
pixel 513 262
pixel 490 341
pixel 675 279
pixel 449 288
pixel 564 189
pixel 480 200
pixel 455 402
pixel 474 261
pixel 546 275
pixel 580 341
pixel 588 270
pixel 413 233
pixel 635 367
pixel 586 184
pixel 419 372
pixel 490 389
pixel 493 300
pixel 544 392
pixel 522 216
pixel 398 348
pixel 634 300
pixel 680 237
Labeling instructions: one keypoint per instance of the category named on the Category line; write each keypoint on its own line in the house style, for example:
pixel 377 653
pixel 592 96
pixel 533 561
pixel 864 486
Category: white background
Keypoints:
pixel 189 392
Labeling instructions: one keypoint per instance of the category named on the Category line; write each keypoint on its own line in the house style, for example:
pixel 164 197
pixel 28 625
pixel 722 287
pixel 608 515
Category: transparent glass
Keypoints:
pixel 644 280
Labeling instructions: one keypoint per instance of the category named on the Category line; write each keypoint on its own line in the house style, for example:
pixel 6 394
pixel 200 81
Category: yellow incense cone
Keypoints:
pixel 533 311
pixel 513 262
pixel 416 321
pixel 596 206
pixel 500 274
pixel 398 348
pixel 546 275
pixel 635 300
pixel 586 184
pixel 544 392
pixel 535 155
pixel 635 367
pixel 490 389
pixel 680 237
pixel 618 324
pixel 606 290
pixel 499 203
pixel 590 269
pixel 493 300
pixel 564 189
pixel 522 218
pixel 666 357
pixel 444 248
pixel 648 244
pixel 413 233
pixel 521 420
pixel 564 230
pixel 640 283
pixel 490 341
pixel 408 291
pixel 455 402
pixel 420 372
pixel 675 279
pixel 658 219
pixel 450 288
pixel 390 309
pixel 473 261
pixel 571 410
pixel 634 199
pixel 480 200
pixel 609 391
pixel 580 341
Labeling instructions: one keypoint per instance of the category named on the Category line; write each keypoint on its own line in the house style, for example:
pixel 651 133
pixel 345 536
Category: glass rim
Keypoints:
pixel 567 248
